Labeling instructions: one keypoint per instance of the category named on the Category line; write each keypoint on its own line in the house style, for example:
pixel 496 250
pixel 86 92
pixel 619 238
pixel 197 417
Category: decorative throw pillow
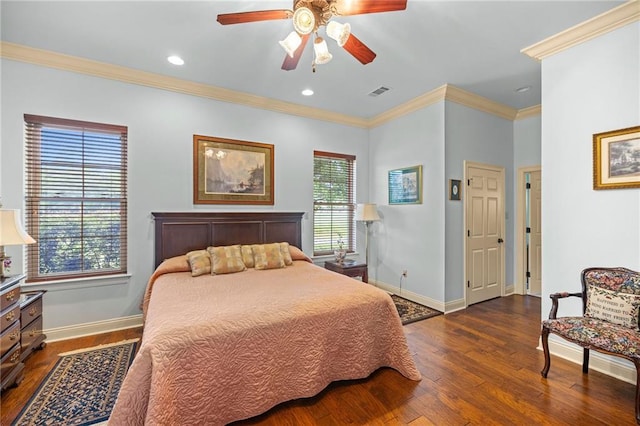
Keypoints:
pixel 618 308
pixel 200 262
pixel 226 259
pixel 267 256
pixel 286 256
pixel 247 256
pixel 297 254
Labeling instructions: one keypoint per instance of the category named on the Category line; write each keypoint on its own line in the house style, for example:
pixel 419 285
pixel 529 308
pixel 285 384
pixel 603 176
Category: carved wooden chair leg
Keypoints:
pixel 637 363
pixel 545 348
pixel 585 360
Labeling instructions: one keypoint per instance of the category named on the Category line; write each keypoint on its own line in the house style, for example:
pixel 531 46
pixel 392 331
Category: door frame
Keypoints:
pixel 503 272
pixel 521 224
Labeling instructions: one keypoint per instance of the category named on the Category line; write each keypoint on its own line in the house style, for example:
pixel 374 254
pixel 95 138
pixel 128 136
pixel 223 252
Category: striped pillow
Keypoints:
pixel 226 259
pixel 267 256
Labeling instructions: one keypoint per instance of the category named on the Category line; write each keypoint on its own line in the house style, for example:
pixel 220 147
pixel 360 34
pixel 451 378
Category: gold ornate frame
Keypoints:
pixel 228 171
pixel 616 159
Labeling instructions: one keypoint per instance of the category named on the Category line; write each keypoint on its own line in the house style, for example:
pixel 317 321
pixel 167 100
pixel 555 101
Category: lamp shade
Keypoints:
pixel 322 51
pixel 11 232
pixel 291 43
pixel 367 213
pixel 339 32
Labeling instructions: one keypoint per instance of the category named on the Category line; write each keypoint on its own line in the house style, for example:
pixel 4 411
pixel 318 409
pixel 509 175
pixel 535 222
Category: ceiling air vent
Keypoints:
pixel 379 91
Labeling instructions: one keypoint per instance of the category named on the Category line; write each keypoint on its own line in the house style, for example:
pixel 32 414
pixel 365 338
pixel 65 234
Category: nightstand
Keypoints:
pixel 349 268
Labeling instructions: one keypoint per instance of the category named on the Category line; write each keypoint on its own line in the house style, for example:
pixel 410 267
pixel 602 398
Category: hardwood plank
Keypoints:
pixel 479 366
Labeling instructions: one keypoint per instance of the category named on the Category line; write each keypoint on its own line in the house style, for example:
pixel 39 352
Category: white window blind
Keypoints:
pixel 333 202
pixel 76 198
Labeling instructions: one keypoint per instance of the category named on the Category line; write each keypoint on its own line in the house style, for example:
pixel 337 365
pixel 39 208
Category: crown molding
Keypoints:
pixel 422 101
pixel 128 75
pixel 79 65
pixel 587 30
pixel 462 97
pixel 531 111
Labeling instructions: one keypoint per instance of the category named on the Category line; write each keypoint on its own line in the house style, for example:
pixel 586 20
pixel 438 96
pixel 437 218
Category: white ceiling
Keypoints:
pixel 474 45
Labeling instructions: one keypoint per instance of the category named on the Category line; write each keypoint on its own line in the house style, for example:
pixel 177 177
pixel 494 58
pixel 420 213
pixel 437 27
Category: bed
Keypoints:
pixel 225 347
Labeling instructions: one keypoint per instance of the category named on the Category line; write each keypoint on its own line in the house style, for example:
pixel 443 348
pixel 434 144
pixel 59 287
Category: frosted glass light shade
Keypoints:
pixel 303 20
pixel 339 32
pixel 11 232
pixel 291 43
pixel 322 51
pixel 367 213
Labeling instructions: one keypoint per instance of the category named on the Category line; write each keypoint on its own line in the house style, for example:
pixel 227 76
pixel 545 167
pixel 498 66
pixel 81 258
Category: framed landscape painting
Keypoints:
pixel 616 159
pixel 227 171
pixel 405 185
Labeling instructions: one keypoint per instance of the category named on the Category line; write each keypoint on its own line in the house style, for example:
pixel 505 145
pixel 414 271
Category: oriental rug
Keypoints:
pixel 82 387
pixel 411 311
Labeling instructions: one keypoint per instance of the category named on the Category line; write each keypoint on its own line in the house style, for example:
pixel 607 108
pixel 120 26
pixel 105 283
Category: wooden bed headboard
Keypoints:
pixel 179 233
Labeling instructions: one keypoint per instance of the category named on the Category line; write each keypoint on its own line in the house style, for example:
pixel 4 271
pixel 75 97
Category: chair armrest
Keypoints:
pixel 555 297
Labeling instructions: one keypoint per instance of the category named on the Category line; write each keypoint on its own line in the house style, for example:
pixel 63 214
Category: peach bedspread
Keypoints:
pixel 216 349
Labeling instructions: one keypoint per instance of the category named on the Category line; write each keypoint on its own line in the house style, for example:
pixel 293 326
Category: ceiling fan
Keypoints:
pixel 308 16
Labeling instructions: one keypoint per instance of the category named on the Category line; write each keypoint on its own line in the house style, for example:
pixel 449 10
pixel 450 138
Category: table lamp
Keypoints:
pixel 11 233
pixel 368 214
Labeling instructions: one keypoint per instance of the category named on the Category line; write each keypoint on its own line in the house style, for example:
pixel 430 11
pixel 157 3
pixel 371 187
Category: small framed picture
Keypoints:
pixel 454 189
pixel 405 185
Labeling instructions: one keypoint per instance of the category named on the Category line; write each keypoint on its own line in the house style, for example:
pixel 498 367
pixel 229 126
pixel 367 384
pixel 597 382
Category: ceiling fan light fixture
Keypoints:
pixel 291 43
pixel 339 32
pixel 304 21
pixel 322 51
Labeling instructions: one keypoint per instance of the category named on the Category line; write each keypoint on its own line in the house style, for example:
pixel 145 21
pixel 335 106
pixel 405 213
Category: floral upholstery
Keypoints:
pixel 603 334
pixel 603 327
pixel 614 279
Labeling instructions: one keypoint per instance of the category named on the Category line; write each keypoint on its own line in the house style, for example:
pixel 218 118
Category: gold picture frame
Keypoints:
pixel 616 159
pixel 405 185
pixel 228 171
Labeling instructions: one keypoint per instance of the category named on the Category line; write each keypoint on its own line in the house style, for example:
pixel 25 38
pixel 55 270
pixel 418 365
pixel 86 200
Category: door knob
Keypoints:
pixel 500 241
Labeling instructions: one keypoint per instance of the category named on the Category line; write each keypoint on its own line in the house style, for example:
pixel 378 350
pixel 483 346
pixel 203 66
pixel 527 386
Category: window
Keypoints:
pixel 76 198
pixel 333 202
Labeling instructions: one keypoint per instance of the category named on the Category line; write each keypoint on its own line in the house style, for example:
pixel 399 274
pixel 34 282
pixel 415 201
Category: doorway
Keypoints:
pixel 529 231
pixel 485 232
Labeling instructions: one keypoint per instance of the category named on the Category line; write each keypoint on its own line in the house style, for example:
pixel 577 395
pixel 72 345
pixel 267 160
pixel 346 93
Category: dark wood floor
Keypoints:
pixel 480 367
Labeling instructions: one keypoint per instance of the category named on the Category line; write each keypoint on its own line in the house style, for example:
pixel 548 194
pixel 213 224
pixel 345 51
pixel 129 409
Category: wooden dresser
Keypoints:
pixel 31 336
pixel 12 367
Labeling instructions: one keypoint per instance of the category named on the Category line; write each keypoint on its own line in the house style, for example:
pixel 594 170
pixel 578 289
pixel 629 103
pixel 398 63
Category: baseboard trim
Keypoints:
pixel 454 305
pixel 616 367
pixel 91 328
pixel 434 304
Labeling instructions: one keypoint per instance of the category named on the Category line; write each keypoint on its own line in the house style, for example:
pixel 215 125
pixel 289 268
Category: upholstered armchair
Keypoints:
pixel 610 306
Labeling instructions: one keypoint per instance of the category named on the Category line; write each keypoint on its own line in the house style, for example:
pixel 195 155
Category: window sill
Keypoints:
pixel 78 283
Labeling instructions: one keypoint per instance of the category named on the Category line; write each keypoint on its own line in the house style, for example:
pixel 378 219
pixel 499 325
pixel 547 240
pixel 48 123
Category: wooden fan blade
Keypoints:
pixel 291 63
pixel 359 50
pixel 259 15
pixel 358 7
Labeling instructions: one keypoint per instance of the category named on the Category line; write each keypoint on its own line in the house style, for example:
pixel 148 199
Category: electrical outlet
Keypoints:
pixel 404 273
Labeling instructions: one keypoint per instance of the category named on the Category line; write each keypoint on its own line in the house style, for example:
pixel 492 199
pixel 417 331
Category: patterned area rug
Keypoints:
pixel 82 387
pixel 411 311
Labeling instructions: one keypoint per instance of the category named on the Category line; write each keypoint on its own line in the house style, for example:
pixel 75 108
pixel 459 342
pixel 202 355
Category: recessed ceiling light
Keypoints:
pixel 523 89
pixel 175 60
pixel 307 92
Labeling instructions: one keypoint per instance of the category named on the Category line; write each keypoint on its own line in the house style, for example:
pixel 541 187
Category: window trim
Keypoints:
pixel 351 238
pixel 33 194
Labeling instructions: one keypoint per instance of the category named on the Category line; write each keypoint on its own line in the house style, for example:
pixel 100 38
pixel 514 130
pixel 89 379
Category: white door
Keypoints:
pixel 535 233
pixel 485 232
